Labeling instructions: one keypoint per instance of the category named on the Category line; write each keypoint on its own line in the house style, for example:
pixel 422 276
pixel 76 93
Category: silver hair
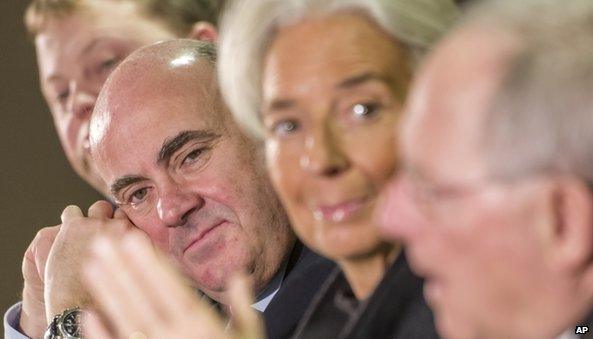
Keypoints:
pixel 248 27
pixel 541 118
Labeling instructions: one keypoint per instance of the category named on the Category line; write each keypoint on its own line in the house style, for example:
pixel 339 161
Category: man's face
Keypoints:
pixel 474 239
pixel 75 54
pixel 184 173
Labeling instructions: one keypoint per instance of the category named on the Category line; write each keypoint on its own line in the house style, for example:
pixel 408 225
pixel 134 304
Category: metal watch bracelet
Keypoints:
pixel 66 325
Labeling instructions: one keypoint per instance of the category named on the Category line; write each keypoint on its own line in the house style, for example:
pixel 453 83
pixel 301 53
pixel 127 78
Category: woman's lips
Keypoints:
pixel 339 212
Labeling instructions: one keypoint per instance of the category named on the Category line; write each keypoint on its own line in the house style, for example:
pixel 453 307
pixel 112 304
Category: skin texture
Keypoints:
pixel 75 55
pixel 32 319
pixel 329 107
pixel 62 284
pixel 493 252
pixel 148 299
pixel 207 203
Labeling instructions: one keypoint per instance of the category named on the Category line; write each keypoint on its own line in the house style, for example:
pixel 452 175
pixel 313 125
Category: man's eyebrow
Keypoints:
pixel 123 182
pixel 362 78
pixel 54 78
pixel 91 45
pixel 171 145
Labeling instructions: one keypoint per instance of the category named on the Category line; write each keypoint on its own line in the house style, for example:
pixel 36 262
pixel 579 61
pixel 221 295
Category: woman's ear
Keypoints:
pixel 572 236
pixel 203 31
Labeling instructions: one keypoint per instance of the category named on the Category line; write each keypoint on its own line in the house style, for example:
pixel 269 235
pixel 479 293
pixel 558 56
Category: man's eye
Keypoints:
pixel 193 156
pixel 138 196
pixel 63 96
pixel 365 110
pixel 285 127
pixel 109 63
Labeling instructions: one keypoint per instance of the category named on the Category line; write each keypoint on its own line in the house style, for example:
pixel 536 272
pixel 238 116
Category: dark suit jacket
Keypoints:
pixel 306 272
pixel 396 309
pixel 587 321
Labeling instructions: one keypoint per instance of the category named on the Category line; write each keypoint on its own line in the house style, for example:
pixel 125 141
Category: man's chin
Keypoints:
pixel 454 325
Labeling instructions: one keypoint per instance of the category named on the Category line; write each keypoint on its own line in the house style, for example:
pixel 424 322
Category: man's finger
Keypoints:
pixel 101 209
pixel 94 327
pixel 43 246
pixel 120 214
pixel 110 282
pixel 71 212
pixel 246 323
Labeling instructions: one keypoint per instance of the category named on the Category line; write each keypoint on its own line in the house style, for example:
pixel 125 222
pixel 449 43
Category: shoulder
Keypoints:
pixel 305 278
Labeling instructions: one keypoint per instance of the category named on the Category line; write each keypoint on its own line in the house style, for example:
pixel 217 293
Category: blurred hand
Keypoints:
pixel 71 249
pixel 140 296
pixel 33 321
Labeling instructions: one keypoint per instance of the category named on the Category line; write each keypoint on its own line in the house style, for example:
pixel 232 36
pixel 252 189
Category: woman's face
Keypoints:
pixel 332 93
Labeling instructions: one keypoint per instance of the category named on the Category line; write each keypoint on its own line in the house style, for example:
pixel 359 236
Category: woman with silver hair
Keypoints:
pixel 323 82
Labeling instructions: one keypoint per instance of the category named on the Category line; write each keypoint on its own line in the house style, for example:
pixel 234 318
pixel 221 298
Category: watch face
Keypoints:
pixel 71 323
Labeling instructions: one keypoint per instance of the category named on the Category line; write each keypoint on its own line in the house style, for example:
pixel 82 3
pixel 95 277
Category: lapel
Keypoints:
pixel 306 272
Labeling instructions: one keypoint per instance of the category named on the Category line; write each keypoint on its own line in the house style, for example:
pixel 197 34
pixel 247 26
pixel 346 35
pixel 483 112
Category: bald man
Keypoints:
pixel 182 171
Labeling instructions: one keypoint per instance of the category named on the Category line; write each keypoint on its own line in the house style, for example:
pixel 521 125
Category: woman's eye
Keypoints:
pixel 365 110
pixel 285 127
pixel 193 156
pixel 138 196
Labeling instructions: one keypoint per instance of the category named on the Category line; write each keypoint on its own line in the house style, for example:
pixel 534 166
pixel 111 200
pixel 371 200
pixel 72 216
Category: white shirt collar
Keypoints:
pixel 265 297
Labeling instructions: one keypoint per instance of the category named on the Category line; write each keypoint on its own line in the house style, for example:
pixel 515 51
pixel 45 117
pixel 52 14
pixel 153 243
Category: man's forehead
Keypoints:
pixel 448 105
pixel 63 38
pixel 73 32
pixel 148 115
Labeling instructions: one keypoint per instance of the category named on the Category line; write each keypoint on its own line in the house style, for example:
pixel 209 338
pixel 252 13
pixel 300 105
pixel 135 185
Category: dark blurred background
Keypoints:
pixel 36 182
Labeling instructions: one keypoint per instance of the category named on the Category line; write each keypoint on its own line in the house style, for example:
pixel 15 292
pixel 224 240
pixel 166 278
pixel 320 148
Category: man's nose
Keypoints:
pixel 398 218
pixel 322 154
pixel 81 101
pixel 175 205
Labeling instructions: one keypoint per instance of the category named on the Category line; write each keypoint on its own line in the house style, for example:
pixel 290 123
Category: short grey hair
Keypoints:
pixel 248 27
pixel 541 118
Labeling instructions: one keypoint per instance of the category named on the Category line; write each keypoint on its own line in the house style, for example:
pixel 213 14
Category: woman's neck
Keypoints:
pixel 364 273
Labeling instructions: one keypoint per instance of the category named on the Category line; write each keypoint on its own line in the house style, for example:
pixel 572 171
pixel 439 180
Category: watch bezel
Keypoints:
pixel 64 322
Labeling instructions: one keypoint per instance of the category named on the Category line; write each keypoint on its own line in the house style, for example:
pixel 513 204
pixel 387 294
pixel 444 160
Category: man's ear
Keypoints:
pixel 204 31
pixel 572 236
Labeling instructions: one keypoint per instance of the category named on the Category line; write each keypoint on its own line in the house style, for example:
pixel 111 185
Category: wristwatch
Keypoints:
pixel 66 325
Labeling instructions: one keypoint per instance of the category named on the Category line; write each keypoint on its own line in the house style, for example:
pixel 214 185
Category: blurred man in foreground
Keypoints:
pixel 495 206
